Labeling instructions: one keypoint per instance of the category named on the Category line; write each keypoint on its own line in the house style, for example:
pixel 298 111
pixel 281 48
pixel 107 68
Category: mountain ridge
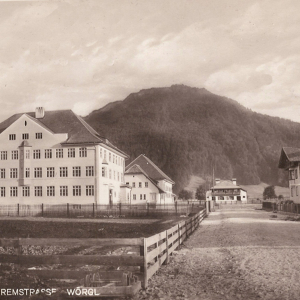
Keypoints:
pixel 189 131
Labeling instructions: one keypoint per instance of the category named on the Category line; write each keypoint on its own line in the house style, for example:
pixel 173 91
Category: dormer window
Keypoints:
pixel 12 137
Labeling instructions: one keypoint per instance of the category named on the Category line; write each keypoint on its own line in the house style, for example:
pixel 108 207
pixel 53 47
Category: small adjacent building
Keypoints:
pixel 226 190
pixel 290 161
pixel 55 157
pixel 148 182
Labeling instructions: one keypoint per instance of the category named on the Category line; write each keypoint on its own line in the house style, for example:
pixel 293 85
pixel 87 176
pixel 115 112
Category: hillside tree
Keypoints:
pixel 269 192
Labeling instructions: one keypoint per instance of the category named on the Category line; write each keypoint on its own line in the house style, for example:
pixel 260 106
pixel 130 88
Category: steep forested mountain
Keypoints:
pixel 186 131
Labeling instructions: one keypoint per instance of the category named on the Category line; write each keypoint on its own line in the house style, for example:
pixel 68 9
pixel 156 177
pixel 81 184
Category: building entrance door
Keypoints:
pixel 238 198
pixel 110 197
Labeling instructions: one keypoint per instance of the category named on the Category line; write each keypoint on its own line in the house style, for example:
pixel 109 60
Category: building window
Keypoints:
pixel 89 190
pixel 140 184
pixel 296 190
pixel 14 154
pixel 63 190
pixel 38 191
pixel 38 173
pixel 71 152
pixel 36 154
pixel 144 196
pixel 76 190
pixel 2 173
pixel 27 172
pixel 13 173
pixel 103 172
pixel 26 191
pixel 296 173
pixel 63 171
pixel 114 175
pixel 27 154
pixel 101 152
pixel 292 191
pixel 59 153
pixel 146 184
pixel 109 173
pixel 118 176
pixel 113 158
pixel 134 196
pixel 3 155
pixel 82 152
pixel 2 191
pixel 89 171
pixel 133 184
pixel 39 135
pixel 76 171
pixel 12 137
pixel 25 136
pixel 48 153
pixel 141 196
pixel 50 172
pixel 14 191
pixel 50 191
pixel 104 153
pixel 109 156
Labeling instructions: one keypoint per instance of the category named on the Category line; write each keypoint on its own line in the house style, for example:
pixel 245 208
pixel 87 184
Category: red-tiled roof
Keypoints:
pixel 64 121
pixel 149 167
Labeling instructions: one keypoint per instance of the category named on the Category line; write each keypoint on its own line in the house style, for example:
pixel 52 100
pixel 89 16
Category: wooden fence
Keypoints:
pixel 151 254
pixel 282 206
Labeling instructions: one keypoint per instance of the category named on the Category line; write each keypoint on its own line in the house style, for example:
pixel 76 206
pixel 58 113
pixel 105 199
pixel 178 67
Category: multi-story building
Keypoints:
pixel 289 161
pixel 56 157
pixel 226 190
pixel 148 182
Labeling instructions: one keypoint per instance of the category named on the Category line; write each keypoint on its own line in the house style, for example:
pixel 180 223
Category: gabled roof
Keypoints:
pixel 226 184
pixel 149 167
pixel 64 121
pixel 288 155
pixel 136 169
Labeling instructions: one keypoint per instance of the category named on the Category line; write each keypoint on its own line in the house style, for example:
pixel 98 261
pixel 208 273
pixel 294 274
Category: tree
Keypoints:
pixel 200 193
pixel 269 192
pixel 185 195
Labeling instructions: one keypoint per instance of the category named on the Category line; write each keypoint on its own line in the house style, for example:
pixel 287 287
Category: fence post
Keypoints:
pixel 176 207
pixel 42 209
pixel 167 249
pixel 18 209
pixel 297 208
pixel 93 210
pixel 147 208
pixel 68 210
pixel 120 208
pixel 143 268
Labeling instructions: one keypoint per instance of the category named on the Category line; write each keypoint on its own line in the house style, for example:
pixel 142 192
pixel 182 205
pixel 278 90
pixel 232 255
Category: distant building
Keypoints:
pixel 289 161
pixel 226 190
pixel 148 182
pixel 55 157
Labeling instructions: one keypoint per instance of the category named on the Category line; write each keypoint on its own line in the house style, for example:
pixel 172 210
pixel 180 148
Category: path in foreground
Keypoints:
pixel 234 254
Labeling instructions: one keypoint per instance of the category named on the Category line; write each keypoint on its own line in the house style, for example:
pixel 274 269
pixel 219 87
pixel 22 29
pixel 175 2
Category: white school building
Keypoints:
pixel 55 157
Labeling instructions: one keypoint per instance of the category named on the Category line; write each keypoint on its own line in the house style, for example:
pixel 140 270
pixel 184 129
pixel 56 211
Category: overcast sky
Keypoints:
pixel 81 55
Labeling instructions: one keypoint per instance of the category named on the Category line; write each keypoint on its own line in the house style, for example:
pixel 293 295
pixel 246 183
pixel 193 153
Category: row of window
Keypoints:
pixel 25 136
pixel 47 153
pixel 50 191
pixel 140 184
pixel 38 172
pixel 143 197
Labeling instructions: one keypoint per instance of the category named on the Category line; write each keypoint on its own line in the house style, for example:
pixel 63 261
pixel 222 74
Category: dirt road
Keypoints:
pixel 234 254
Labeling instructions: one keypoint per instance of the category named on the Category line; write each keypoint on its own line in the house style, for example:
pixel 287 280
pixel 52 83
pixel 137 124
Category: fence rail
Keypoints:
pixel 287 206
pixel 92 210
pixel 153 251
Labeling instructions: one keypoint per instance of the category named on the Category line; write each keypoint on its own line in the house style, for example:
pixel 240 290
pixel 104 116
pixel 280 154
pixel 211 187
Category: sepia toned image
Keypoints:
pixel 149 150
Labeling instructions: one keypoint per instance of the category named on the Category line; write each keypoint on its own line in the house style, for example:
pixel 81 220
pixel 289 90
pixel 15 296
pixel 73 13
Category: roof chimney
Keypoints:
pixel 39 113
pixel 217 180
pixel 234 181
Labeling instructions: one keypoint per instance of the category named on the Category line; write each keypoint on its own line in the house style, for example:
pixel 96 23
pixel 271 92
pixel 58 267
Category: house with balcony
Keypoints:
pixel 290 160
pixel 226 191
pixel 149 184
pixel 55 157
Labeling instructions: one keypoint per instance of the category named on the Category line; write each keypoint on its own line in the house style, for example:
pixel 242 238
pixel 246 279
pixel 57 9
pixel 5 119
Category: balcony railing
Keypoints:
pixel 225 193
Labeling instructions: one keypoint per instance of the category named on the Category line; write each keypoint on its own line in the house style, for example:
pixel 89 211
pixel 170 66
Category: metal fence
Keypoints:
pixel 92 210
